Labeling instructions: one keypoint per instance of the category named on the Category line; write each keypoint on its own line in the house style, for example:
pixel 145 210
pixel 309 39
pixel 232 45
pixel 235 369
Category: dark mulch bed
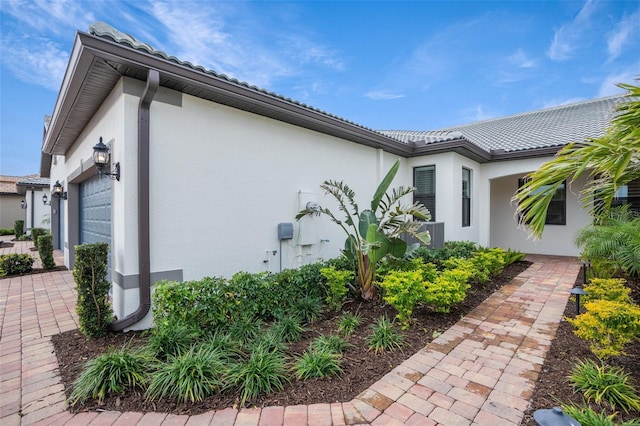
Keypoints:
pixel 361 366
pixel 552 388
pixel 36 271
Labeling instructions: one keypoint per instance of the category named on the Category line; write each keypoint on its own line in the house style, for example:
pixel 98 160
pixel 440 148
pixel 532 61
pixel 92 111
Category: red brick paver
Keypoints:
pixel 480 372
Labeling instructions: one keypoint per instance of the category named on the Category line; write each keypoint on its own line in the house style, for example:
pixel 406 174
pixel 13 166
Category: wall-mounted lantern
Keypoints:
pixel 101 157
pixel 23 204
pixel 58 191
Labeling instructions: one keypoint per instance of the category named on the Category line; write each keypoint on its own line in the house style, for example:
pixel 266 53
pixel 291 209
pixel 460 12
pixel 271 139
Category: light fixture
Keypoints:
pixel 554 417
pixel 101 160
pixel 23 204
pixel 45 199
pixel 58 191
pixel 577 292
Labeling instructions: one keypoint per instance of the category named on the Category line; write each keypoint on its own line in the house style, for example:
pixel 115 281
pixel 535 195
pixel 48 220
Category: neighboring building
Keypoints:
pixel 10 202
pixel 209 167
pixel 37 196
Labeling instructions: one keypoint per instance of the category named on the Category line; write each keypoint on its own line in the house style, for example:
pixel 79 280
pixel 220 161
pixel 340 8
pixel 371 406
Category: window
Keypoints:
pixel 557 211
pixel 466 197
pixel 628 194
pixel 424 180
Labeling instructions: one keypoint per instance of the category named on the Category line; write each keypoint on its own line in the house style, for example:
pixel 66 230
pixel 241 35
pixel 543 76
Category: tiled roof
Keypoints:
pixel 544 128
pixel 34 181
pixel 8 183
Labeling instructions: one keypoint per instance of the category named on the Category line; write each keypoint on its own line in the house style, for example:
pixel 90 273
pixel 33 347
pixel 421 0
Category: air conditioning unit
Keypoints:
pixel 436 231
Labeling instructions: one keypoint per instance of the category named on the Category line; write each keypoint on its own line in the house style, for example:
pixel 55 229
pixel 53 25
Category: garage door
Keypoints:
pixel 95 213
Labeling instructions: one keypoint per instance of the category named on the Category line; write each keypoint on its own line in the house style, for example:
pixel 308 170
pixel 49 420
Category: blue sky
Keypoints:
pixel 418 65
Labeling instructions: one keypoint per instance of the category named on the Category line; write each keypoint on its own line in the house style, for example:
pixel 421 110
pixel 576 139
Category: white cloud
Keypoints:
pixel 34 60
pixel 621 34
pixel 608 86
pixel 521 60
pixel 476 113
pixel 56 16
pixel 384 95
pixel 550 103
pixel 567 37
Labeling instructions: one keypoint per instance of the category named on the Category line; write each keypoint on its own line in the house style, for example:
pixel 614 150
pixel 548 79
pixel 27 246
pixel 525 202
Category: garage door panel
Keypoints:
pixel 95 213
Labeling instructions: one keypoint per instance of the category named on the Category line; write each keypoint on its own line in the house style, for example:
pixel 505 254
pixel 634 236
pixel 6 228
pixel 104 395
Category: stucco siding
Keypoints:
pixel 10 210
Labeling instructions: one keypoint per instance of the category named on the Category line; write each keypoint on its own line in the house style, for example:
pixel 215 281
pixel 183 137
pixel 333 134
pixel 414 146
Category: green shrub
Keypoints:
pixel 112 373
pixel 35 233
pixel 307 308
pixel 192 376
pixel 18 228
pixel 333 343
pixel 170 338
pixel 403 290
pixel 45 249
pixel 513 256
pixel 489 261
pixel 608 326
pixel 89 273
pixel 448 289
pixel 317 363
pixel 288 328
pixel 603 384
pixel 14 263
pixel 263 373
pixel 384 336
pixel 613 289
pixel 587 416
pixel 270 340
pixel 245 329
pixel 349 322
pixel 336 285
pixel 7 231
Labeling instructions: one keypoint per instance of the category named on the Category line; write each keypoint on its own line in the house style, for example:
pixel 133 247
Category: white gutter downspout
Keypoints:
pixel 144 257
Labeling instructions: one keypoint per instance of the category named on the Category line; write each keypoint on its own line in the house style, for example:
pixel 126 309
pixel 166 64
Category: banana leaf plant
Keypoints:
pixel 375 232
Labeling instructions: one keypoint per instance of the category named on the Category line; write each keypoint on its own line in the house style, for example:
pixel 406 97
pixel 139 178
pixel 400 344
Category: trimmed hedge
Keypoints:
pixel 45 249
pixel 18 228
pixel 90 273
pixel 13 264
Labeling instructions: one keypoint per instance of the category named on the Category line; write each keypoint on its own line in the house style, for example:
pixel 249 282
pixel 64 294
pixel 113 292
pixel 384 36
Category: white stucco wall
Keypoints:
pixel 41 212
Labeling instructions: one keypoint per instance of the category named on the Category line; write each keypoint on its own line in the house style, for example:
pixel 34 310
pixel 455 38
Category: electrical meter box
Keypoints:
pixel 285 231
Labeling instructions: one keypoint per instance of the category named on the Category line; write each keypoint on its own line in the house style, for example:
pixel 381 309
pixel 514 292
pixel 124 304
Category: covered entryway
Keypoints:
pixel 95 213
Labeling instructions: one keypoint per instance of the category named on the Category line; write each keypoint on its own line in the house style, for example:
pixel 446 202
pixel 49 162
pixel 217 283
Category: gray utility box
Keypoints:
pixel 436 230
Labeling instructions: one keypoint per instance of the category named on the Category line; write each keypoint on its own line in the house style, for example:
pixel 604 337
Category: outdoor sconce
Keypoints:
pixel 45 199
pixel 58 191
pixel 554 417
pixel 585 266
pixel 23 204
pixel 577 291
pixel 101 160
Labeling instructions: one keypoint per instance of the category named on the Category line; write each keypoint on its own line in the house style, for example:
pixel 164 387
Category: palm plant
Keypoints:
pixel 373 233
pixel 613 160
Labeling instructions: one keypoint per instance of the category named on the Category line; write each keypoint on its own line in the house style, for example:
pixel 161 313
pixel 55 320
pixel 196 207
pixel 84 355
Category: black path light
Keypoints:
pixel 101 157
pixel 554 417
pixel 577 292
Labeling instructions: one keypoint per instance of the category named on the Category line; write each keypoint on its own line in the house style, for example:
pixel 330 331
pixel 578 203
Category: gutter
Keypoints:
pixel 144 256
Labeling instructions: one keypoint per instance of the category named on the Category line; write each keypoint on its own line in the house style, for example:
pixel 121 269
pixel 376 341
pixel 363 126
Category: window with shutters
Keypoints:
pixel 466 197
pixel 628 194
pixel 424 180
pixel 557 210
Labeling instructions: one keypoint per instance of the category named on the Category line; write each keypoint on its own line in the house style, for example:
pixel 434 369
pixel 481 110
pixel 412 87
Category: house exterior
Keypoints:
pixel 10 202
pixel 212 171
pixel 37 196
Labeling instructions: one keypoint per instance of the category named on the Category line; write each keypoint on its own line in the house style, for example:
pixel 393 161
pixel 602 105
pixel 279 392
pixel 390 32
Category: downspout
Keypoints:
pixel 144 256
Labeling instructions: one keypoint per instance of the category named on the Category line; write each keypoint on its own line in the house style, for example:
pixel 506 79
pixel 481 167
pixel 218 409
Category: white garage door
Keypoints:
pixel 95 213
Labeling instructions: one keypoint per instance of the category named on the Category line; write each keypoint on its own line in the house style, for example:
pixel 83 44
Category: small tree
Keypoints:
pixel 18 227
pixel 375 232
pixel 90 273
pixel 45 249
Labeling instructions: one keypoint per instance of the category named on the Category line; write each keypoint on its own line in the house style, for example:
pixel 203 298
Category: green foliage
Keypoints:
pixel 271 340
pixel 608 326
pixel 349 322
pixel 170 338
pixel 603 384
pixel 264 372
pixel 513 256
pixel 487 264
pixel 245 329
pixel 373 233
pixel 14 264
pixel 18 228
pixel 613 289
pixel 7 231
pixel 448 289
pixel 613 241
pixel 45 249
pixel 318 363
pixel 288 328
pixel 612 158
pixel 112 373
pixel 332 343
pixel 89 273
pixel 340 263
pixel 223 343
pixel 403 290
pixel 587 416
pixel 336 285
pixel 35 233
pixel 191 376
pixel 384 336
pixel 307 308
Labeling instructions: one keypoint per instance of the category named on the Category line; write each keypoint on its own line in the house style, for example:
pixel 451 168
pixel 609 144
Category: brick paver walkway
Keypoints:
pixel 479 372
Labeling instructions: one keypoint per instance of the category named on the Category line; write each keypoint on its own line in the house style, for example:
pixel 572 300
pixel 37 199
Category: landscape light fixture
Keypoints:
pixel 23 204
pixel 101 157
pixel 554 417
pixel 577 291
